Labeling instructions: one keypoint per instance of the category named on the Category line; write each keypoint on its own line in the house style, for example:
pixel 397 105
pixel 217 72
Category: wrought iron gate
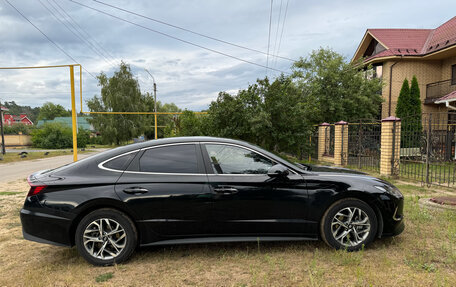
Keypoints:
pixel 428 144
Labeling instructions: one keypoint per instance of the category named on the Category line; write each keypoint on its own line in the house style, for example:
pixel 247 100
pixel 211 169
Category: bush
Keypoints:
pixel 16 128
pixel 83 138
pixel 58 136
pixel 96 140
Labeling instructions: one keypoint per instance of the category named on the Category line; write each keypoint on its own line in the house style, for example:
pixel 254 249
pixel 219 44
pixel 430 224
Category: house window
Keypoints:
pixel 453 74
pixel 373 49
pixel 379 71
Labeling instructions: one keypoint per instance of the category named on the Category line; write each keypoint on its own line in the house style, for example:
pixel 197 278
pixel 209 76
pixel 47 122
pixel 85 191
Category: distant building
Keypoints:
pixel 67 121
pixel 430 54
pixel 9 120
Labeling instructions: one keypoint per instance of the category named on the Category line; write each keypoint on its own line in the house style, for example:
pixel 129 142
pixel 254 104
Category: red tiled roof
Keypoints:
pixel 442 36
pixel 414 42
pixel 450 96
pixel 412 39
pixel 381 54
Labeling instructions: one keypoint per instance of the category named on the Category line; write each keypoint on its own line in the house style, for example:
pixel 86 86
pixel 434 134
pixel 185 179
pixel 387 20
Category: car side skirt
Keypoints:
pixel 228 239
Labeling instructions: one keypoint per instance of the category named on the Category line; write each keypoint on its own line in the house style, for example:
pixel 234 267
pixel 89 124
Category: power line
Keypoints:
pixel 277 31
pixel 269 37
pixel 178 39
pixel 69 29
pixel 87 41
pixel 49 39
pixel 283 25
pixel 109 55
pixel 190 31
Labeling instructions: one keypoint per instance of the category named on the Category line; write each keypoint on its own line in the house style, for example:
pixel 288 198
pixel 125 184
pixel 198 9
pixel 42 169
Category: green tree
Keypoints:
pixel 268 114
pixel 49 111
pixel 119 93
pixel 187 124
pixel 408 109
pixel 404 100
pixel 415 98
pixel 229 116
pixel 335 90
pixel 165 122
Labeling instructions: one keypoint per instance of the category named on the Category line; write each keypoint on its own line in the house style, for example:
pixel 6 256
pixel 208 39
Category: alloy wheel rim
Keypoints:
pixel 104 238
pixel 350 226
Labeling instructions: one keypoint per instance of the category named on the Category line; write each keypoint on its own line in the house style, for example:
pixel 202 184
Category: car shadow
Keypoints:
pixel 217 250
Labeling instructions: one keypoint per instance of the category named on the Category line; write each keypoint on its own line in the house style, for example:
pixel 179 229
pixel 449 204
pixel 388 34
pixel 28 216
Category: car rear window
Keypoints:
pixel 170 159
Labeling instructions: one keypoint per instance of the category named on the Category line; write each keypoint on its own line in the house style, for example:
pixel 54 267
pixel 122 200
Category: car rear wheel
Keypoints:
pixel 349 224
pixel 106 236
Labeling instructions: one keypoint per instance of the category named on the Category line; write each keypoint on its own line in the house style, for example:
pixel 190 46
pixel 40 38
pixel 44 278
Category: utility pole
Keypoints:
pixel 1 128
pixel 155 104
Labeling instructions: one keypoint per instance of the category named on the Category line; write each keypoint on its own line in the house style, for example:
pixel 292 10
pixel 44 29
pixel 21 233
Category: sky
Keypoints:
pixel 186 74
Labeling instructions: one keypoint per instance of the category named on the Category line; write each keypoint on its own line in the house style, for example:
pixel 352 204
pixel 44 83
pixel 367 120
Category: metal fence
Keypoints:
pixel 364 145
pixel 428 144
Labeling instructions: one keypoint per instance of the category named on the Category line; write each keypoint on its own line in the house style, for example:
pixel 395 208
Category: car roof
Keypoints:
pixel 172 140
pixel 98 158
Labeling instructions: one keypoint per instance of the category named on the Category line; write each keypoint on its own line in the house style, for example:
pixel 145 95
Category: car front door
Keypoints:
pixel 248 202
pixel 166 187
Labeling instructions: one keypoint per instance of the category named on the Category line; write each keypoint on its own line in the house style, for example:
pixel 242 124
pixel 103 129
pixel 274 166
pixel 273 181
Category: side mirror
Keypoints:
pixel 278 170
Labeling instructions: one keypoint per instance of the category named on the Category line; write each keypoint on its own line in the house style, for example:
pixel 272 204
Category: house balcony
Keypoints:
pixel 437 90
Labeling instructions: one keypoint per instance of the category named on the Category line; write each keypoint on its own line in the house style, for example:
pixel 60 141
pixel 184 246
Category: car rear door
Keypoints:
pixel 166 187
pixel 247 202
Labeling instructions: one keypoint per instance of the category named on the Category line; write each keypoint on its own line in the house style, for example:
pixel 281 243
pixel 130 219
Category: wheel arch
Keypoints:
pixel 95 205
pixel 367 198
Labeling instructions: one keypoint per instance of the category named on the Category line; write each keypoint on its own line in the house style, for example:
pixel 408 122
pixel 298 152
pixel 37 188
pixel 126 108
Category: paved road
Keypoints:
pixel 44 150
pixel 20 170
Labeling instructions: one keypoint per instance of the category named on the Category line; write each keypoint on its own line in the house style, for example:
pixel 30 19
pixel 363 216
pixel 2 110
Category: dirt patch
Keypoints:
pixel 444 200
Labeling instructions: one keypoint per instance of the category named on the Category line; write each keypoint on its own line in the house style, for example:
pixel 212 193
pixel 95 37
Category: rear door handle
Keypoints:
pixel 133 190
pixel 226 190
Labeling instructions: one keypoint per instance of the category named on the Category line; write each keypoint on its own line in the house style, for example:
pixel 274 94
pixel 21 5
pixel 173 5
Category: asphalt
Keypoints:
pixel 20 170
pixel 43 150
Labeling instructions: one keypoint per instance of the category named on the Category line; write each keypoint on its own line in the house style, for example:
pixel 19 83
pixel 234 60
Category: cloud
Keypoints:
pixel 186 75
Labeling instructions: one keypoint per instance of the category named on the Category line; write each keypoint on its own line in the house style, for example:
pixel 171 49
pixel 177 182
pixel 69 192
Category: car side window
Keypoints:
pixel 227 159
pixel 121 162
pixel 170 159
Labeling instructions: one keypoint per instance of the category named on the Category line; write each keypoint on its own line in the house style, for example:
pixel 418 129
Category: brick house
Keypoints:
pixel 430 54
pixel 9 120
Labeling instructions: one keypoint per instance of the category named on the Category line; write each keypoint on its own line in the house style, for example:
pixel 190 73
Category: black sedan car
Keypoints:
pixel 202 189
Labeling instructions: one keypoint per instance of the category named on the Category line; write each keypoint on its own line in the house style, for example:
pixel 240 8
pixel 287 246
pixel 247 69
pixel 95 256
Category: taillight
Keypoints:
pixel 35 188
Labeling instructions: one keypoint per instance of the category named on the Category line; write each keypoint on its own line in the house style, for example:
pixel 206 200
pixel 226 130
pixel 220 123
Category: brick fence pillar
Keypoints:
pixel 323 135
pixel 390 146
pixel 340 143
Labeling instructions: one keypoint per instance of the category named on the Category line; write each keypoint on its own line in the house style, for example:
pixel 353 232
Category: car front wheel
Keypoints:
pixel 349 224
pixel 106 236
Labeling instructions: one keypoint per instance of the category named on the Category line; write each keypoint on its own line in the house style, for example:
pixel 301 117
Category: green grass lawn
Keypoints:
pixel 423 255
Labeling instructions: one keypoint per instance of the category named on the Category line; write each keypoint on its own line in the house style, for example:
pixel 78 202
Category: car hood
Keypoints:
pixel 332 169
pixel 353 178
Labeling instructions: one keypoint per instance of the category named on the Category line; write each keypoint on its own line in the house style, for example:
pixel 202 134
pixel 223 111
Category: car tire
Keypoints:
pixel 349 224
pixel 105 237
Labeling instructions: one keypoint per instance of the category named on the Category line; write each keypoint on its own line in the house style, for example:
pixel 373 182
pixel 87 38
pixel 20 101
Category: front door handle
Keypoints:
pixel 226 190
pixel 133 190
